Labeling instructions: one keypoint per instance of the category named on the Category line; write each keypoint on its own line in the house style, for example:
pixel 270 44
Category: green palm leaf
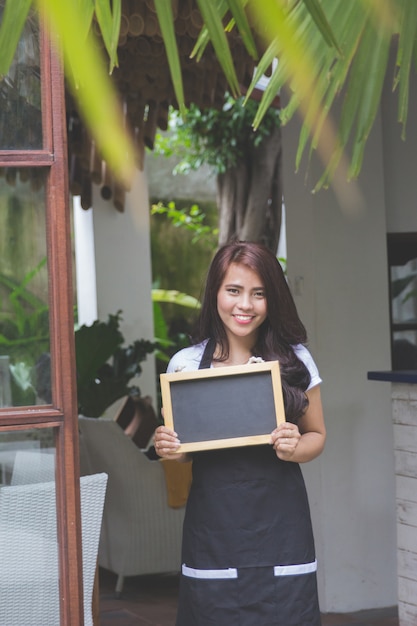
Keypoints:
pixel 212 19
pixel 306 36
pixel 13 19
pixel 296 65
pixel 374 53
pixel 239 18
pixel 204 37
pixel 317 14
pixel 85 8
pixel 166 22
pixel 175 297
pixel 109 18
pixel 90 86
pixel 407 46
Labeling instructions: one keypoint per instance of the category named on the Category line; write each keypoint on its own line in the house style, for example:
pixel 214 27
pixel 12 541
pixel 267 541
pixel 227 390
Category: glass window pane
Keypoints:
pixel 404 350
pixel 27 456
pixel 24 317
pixel 20 94
pixel 29 581
pixel 404 292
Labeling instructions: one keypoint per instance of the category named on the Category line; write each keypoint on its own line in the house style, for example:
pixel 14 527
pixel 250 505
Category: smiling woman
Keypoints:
pixel 248 550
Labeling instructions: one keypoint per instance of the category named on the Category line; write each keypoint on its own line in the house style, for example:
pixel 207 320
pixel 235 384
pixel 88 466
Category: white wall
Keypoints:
pixel 400 159
pixel 85 264
pixel 337 267
pixel 123 269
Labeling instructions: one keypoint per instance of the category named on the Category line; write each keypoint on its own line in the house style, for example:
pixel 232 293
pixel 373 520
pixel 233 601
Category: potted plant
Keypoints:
pixel 105 366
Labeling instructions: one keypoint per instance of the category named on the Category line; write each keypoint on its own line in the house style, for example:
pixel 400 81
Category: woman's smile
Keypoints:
pixel 243 319
pixel 241 302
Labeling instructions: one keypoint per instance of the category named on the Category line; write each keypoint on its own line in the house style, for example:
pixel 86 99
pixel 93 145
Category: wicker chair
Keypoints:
pixel 32 466
pixel 141 533
pixel 29 588
pixel 8 451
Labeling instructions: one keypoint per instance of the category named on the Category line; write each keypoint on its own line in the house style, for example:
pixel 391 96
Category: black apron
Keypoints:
pixel 248 550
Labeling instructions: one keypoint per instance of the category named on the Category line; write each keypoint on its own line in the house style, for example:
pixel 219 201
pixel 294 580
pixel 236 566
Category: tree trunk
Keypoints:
pixel 249 196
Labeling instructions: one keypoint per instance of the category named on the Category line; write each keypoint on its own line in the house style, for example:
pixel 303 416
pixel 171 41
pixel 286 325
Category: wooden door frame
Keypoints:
pixel 62 415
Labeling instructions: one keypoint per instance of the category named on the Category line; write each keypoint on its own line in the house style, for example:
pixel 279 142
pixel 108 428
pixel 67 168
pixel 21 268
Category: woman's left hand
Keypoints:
pixel 285 439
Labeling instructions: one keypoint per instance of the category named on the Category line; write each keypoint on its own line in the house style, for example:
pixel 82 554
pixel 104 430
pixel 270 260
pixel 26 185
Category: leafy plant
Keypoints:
pixel 218 138
pixel 24 333
pixel 25 326
pixel 400 284
pixel 169 344
pixel 192 219
pixel 104 366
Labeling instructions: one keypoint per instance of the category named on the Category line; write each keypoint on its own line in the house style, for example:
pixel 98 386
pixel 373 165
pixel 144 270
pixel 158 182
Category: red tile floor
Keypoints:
pixel 152 601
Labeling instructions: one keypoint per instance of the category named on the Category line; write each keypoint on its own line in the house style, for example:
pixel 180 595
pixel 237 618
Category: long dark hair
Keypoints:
pixel 279 332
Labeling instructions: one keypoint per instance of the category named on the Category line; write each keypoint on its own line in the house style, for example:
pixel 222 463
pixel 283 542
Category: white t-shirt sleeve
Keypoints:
pixel 187 359
pixel 305 356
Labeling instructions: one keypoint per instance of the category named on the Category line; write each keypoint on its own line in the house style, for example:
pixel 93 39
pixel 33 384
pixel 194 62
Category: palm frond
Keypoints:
pixel 407 48
pixel 12 23
pixel 108 18
pixel 166 22
pixel 213 21
pixel 91 87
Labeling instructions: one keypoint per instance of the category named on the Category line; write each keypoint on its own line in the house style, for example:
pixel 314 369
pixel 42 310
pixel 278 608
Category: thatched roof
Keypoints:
pixel 144 83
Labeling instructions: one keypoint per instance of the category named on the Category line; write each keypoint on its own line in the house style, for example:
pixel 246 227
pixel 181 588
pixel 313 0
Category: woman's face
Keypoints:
pixel 241 302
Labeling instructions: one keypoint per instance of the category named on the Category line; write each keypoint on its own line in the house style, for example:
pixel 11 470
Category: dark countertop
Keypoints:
pixel 400 376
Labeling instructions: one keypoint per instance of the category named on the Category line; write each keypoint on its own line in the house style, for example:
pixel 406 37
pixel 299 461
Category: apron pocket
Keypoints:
pixel 208 598
pixel 296 594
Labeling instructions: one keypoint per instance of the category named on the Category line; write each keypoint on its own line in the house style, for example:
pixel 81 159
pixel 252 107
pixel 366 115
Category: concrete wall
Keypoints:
pixel 199 185
pixel 337 266
pixel 123 269
pixel 338 269
pixel 400 159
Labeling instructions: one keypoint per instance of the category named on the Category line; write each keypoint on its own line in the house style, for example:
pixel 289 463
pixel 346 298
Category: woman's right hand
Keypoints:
pixel 166 443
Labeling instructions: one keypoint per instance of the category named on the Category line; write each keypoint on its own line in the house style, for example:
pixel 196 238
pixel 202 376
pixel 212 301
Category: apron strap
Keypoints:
pixel 207 357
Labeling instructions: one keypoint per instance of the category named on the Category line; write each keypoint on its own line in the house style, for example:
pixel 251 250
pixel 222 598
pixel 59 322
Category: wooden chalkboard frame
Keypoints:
pixel 189 400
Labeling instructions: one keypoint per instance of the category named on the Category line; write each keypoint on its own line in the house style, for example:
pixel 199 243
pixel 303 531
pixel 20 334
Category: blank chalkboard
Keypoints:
pixel 224 406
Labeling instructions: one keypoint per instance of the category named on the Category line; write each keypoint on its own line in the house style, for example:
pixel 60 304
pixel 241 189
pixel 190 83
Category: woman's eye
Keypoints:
pixel 259 294
pixel 232 290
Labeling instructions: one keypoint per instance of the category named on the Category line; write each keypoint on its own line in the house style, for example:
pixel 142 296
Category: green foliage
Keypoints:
pixel 167 344
pixel 22 385
pixel 24 333
pixel 325 48
pixel 182 242
pixel 192 219
pixel 399 285
pixel 179 258
pixel 26 325
pixel 218 138
pixel 104 366
pixel 174 297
